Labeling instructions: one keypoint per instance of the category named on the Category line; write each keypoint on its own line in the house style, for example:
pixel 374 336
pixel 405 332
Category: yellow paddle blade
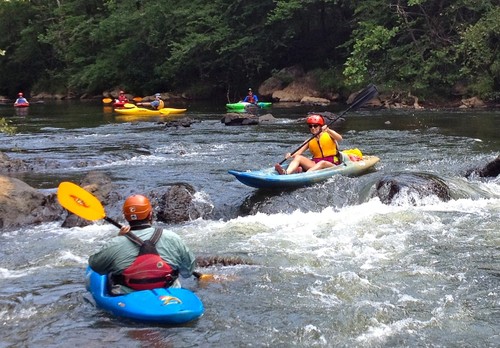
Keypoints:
pixel 137 99
pixel 107 100
pixel 129 105
pixel 79 201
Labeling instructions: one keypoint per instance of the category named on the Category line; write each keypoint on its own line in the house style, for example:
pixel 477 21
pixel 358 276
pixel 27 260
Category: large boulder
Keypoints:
pixel 410 188
pixel 298 89
pixel 240 119
pixel 315 101
pixel 490 170
pixel 473 102
pixel 246 119
pixel 179 203
pixel 271 85
pixel 21 204
pixel 291 84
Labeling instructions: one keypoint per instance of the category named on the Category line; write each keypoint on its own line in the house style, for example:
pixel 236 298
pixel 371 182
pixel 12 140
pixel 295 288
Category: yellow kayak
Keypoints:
pixel 149 112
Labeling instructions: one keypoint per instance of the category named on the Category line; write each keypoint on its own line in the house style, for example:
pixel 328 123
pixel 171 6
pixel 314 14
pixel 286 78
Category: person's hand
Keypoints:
pixel 288 155
pixel 124 230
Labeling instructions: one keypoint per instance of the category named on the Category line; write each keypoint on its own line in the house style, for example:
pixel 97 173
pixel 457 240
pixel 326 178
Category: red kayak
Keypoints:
pixel 119 104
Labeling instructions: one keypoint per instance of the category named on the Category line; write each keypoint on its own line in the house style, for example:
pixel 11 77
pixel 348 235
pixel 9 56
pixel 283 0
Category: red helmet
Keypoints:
pixel 315 119
pixel 137 207
pixel 20 94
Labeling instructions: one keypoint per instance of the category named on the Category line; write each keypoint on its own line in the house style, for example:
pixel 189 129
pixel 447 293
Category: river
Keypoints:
pixel 331 265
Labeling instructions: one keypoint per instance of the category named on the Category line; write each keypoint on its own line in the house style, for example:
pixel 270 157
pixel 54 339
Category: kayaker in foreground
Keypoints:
pixel 323 146
pixel 156 104
pixel 131 267
pixel 251 98
pixel 21 100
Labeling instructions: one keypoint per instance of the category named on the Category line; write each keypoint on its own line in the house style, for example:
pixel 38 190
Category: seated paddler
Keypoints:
pixel 323 146
pixel 141 256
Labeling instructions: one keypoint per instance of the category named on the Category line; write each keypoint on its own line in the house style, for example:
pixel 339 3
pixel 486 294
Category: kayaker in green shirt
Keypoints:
pixel 117 258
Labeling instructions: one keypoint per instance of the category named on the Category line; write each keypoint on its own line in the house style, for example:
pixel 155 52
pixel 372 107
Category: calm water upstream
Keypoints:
pixel 333 266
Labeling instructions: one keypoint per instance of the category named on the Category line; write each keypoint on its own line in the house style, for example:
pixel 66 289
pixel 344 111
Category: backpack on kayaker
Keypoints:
pixel 149 270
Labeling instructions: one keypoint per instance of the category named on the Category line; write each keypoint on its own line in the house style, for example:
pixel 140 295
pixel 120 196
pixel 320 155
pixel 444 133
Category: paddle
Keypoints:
pixel 365 95
pixel 107 100
pixel 137 99
pixel 129 105
pixel 84 204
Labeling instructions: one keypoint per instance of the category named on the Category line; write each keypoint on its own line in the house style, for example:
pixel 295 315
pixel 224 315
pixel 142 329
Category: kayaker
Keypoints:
pixel 323 147
pixel 122 98
pixel 251 98
pixel 128 269
pixel 156 104
pixel 20 99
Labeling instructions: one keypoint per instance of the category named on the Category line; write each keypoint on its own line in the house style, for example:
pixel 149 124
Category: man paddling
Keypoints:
pixel 21 100
pixel 251 98
pixel 142 257
pixel 156 104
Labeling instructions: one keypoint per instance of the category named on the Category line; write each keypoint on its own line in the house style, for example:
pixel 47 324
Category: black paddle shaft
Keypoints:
pixel 365 95
pixel 111 221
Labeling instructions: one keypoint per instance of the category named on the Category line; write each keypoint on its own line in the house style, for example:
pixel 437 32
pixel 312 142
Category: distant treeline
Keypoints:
pixel 207 48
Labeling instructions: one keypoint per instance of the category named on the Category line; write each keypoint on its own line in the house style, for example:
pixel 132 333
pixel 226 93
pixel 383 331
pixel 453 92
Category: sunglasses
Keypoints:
pixel 314 125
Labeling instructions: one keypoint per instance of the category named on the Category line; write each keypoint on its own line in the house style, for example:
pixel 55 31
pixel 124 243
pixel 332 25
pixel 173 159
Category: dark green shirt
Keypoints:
pixel 120 252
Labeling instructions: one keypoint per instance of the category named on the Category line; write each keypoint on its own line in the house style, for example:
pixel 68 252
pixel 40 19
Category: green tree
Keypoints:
pixel 25 57
pixel 416 44
pixel 480 53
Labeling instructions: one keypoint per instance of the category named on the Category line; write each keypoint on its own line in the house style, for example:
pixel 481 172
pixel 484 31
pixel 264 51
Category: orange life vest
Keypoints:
pixel 324 147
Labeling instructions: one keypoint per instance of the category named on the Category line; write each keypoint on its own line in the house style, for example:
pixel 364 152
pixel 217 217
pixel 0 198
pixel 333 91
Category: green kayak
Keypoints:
pixel 242 105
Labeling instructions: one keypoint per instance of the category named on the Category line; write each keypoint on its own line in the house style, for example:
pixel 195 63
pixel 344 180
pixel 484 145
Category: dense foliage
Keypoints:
pixel 221 47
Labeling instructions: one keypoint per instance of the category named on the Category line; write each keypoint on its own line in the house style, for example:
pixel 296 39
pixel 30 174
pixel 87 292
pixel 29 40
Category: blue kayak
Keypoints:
pixel 162 305
pixel 269 179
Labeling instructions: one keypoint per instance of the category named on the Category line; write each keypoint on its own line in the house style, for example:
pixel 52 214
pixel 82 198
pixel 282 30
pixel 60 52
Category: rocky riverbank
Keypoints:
pixel 295 85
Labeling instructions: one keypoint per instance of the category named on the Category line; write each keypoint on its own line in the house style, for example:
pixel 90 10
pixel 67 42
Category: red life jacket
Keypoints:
pixel 149 270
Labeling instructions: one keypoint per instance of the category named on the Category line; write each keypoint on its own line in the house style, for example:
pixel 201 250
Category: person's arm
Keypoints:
pixel 256 98
pixel 334 135
pixel 187 260
pixel 298 152
pixel 188 264
pixel 102 261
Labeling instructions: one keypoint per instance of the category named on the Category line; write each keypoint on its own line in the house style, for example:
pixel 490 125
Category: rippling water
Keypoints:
pixel 332 265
